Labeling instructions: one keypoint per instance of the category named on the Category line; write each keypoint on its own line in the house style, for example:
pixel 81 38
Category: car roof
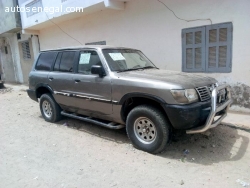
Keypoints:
pixel 86 47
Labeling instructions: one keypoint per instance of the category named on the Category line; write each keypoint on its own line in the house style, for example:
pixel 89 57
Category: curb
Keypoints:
pixel 235 126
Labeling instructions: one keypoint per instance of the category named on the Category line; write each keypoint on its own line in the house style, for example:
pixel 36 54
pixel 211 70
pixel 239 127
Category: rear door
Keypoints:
pixel 61 79
pixel 42 68
pixel 92 93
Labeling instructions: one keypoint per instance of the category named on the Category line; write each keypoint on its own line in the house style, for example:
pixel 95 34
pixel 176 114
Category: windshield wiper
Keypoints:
pixel 125 70
pixel 149 67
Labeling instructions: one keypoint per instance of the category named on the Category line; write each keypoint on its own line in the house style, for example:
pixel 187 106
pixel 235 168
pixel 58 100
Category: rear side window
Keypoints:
pixel 45 61
pixel 67 62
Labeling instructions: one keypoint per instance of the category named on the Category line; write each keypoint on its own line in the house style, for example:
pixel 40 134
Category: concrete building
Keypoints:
pixel 10 23
pixel 17 49
pixel 206 37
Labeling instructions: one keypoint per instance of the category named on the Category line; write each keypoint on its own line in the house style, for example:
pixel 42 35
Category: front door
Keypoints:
pixel 92 93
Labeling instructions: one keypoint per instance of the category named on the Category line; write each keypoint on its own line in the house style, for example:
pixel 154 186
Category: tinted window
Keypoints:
pixel 45 61
pixel 67 62
pixel 58 60
pixel 87 60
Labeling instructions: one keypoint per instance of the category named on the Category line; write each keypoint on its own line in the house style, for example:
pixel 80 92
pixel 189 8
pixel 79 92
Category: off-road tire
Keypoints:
pixel 55 108
pixel 161 127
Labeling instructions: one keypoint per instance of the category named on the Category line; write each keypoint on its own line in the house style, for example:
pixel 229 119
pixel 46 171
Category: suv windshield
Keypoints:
pixel 120 60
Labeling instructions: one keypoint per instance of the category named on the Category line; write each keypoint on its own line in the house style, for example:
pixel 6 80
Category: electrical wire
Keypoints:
pixel 63 30
pixel 208 19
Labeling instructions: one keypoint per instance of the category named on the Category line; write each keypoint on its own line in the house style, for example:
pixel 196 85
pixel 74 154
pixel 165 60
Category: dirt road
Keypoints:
pixel 71 153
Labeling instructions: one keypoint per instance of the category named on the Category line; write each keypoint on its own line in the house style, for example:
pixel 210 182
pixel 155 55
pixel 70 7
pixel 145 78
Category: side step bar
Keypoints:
pixel 110 125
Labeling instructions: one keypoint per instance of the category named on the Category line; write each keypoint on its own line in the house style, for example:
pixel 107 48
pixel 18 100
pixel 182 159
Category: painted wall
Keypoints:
pixel 9 21
pixel 59 9
pixel 149 26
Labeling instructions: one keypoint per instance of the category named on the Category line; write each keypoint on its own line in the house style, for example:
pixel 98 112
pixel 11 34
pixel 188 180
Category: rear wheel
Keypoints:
pixel 148 129
pixel 50 110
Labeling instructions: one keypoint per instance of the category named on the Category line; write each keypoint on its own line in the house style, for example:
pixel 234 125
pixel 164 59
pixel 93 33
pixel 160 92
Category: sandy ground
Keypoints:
pixel 35 153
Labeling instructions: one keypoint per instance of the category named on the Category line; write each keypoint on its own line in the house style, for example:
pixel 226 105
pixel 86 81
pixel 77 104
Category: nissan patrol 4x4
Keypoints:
pixel 120 87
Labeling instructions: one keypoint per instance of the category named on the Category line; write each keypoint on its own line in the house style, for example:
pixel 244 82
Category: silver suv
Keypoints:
pixel 120 87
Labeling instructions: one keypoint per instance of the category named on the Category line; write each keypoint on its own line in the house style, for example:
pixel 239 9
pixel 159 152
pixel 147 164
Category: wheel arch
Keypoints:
pixel 43 88
pixel 131 100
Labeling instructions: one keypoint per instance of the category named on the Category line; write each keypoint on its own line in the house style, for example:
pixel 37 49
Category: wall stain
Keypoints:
pixel 241 95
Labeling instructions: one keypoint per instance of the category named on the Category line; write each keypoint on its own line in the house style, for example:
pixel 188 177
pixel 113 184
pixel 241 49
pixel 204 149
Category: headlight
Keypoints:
pixel 185 95
pixel 191 95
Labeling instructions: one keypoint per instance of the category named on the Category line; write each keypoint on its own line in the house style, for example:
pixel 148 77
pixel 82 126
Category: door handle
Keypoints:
pixel 77 80
pixel 51 78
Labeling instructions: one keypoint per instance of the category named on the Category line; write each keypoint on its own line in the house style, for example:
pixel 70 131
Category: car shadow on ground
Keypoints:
pixel 223 144
pixel 118 136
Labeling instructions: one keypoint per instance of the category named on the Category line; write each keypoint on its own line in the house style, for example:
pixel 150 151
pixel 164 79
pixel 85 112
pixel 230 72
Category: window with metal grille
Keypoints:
pixel 26 50
pixel 207 48
pixel 34 7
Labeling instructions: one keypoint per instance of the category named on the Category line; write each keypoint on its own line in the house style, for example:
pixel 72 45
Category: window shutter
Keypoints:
pixel 193 49
pixel 219 47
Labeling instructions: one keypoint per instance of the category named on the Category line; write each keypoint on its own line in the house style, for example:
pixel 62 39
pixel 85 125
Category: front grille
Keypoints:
pixel 211 87
pixel 203 93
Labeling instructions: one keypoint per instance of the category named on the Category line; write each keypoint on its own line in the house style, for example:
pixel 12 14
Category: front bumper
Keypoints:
pixel 188 116
pixel 199 117
pixel 220 109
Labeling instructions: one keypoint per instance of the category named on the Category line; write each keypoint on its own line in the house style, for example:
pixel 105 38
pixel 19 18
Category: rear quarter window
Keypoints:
pixel 45 61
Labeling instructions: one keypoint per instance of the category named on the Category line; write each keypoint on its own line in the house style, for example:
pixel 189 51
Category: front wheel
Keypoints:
pixel 50 110
pixel 148 129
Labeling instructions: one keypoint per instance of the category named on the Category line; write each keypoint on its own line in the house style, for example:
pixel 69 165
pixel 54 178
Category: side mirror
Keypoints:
pixel 97 69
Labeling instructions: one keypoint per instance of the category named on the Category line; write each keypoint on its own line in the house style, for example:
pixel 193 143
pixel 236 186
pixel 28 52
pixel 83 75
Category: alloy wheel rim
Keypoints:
pixel 145 130
pixel 47 109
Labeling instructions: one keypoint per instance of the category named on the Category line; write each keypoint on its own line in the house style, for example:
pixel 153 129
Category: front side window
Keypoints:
pixel 45 61
pixel 126 59
pixel 207 48
pixel 87 59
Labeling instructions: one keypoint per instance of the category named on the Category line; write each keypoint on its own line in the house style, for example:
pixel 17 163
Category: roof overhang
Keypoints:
pixel 41 20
